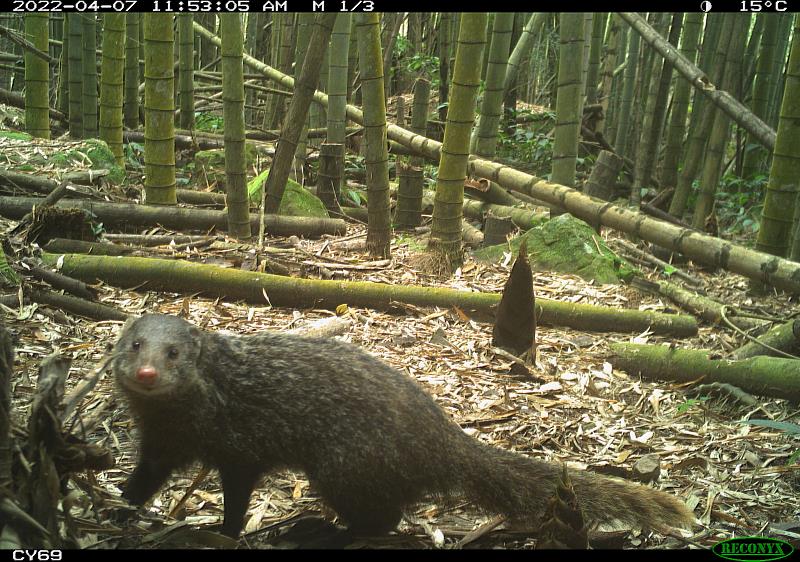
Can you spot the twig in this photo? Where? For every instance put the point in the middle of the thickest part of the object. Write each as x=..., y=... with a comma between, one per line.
x=780, y=352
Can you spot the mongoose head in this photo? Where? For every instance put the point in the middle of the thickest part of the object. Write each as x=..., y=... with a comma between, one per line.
x=156, y=354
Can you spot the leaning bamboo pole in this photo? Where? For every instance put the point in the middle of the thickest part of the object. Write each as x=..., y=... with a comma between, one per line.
x=732, y=107
x=772, y=270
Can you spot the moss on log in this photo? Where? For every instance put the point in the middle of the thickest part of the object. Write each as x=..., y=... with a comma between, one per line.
x=260, y=288
x=766, y=376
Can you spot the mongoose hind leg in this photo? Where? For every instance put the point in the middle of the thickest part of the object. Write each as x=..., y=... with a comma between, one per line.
x=370, y=521
x=364, y=515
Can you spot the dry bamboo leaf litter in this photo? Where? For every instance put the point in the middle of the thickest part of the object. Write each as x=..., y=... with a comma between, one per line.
x=585, y=412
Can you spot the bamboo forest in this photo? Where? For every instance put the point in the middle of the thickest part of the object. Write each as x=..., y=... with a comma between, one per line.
x=418, y=280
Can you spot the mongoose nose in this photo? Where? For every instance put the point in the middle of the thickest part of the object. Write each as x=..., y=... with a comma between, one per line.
x=146, y=374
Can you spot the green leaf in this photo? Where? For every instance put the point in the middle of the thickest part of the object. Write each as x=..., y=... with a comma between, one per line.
x=787, y=427
x=691, y=403
x=6, y=272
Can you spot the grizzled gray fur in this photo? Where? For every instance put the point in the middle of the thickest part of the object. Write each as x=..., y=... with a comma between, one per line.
x=370, y=440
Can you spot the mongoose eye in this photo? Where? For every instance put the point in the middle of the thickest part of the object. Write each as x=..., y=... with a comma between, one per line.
x=172, y=353
x=136, y=345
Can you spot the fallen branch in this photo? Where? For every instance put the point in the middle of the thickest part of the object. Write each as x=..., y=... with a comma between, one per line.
x=177, y=218
x=667, y=268
x=52, y=198
x=59, y=281
x=708, y=309
x=783, y=338
x=72, y=246
x=66, y=303
x=158, y=239
x=18, y=100
x=44, y=185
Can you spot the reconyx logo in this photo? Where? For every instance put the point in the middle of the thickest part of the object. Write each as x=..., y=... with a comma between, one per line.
x=749, y=549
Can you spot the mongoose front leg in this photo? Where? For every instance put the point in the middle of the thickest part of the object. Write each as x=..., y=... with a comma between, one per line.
x=237, y=486
x=149, y=475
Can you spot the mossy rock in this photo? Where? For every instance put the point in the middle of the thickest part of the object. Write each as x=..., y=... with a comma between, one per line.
x=98, y=153
x=210, y=164
x=102, y=157
x=297, y=201
x=567, y=245
x=210, y=158
x=415, y=243
x=15, y=135
x=210, y=167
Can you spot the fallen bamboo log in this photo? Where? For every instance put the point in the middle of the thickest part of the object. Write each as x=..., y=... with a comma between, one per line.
x=177, y=218
x=766, y=376
x=262, y=288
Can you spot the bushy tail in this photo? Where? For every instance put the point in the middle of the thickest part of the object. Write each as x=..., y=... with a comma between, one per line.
x=517, y=486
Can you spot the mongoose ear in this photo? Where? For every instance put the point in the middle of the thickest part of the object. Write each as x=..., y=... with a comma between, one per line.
x=197, y=337
x=128, y=323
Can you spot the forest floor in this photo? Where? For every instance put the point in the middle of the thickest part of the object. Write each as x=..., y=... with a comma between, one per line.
x=574, y=408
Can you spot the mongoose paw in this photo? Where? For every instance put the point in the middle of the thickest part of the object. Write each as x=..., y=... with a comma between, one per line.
x=136, y=492
x=222, y=530
x=122, y=515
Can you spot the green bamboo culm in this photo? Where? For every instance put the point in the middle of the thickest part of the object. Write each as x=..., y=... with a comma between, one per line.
x=445, y=23
x=305, y=22
x=131, y=101
x=159, y=108
x=485, y=133
x=253, y=48
x=448, y=202
x=112, y=71
x=755, y=154
x=272, y=101
x=283, y=27
x=337, y=83
x=626, y=103
x=613, y=103
x=337, y=91
x=408, y=213
x=721, y=127
x=317, y=114
x=63, y=67
x=596, y=46
x=782, y=188
x=653, y=118
x=233, y=114
x=570, y=94
x=352, y=66
x=370, y=63
x=186, y=70
x=89, y=98
x=777, y=84
x=75, y=60
x=715, y=43
x=37, y=108
x=523, y=46
x=304, y=90
x=680, y=103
